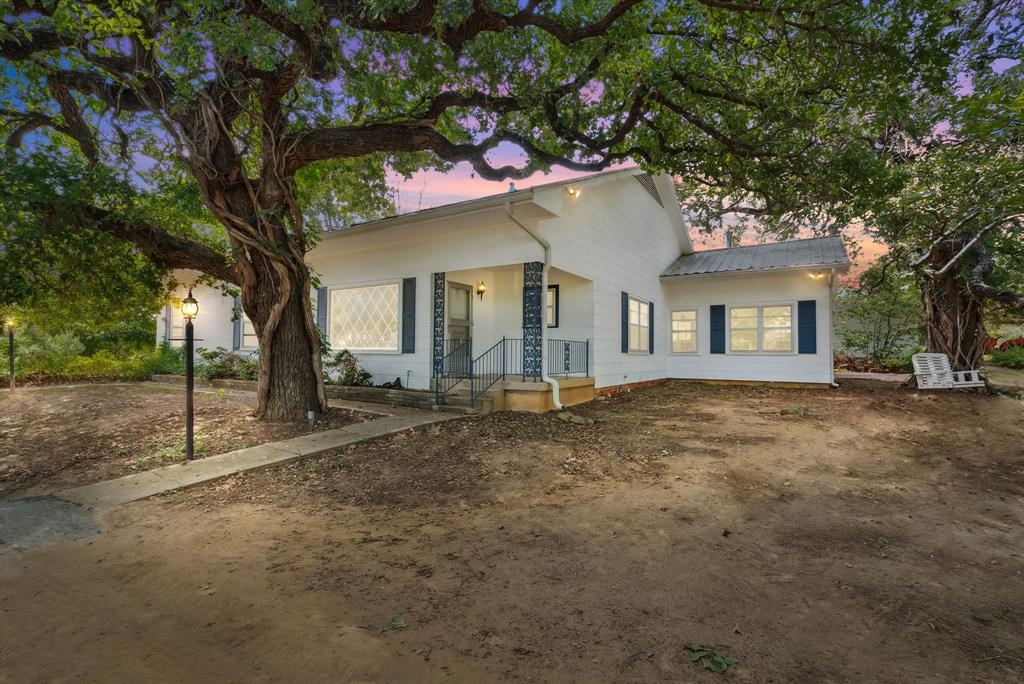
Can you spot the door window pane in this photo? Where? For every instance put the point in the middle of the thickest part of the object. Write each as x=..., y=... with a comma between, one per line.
x=458, y=303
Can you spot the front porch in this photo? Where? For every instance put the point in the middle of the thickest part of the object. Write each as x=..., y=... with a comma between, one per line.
x=497, y=331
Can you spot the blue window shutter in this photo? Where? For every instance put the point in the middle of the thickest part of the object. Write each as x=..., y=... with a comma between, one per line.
x=625, y=322
x=321, y=310
x=717, y=328
x=236, y=339
x=167, y=324
x=408, y=315
x=807, y=326
x=650, y=327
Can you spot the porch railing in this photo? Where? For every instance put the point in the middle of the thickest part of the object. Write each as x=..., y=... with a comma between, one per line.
x=456, y=366
x=569, y=357
x=504, y=359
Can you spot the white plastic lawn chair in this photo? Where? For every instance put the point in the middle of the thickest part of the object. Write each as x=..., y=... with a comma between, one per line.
x=934, y=372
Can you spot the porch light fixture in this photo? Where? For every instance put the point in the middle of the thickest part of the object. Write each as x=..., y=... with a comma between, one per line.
x=480, y=289
x=189, y=310
x=189, y=307
x=817, y=275
x=573, y=191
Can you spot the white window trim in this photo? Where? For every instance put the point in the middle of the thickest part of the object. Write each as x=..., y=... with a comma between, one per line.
x=760, y=329
x=647, y=303
x=696, y=330
x=355, y=286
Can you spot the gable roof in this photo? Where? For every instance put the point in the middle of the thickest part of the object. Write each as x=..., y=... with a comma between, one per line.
x=811, y=253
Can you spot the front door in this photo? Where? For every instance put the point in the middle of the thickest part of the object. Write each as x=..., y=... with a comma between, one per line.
x=460, y=328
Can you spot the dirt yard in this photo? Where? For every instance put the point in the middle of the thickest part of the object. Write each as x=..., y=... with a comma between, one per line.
x=56, y=437
x=853, y=535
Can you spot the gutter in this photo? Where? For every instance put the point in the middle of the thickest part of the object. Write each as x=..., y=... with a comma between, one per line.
x=555, y=397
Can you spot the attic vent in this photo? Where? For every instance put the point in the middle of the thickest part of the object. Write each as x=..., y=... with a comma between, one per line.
x=648, y=183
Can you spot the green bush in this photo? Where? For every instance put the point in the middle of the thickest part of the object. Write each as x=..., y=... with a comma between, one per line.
x=41, y=357
x=346, y=371
x=1011, y=358
x=220, y=363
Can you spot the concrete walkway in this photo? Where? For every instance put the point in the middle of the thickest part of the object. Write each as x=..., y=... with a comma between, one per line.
x=166, y=479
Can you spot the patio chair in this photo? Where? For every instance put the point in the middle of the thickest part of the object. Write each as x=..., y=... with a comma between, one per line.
x=934, y=372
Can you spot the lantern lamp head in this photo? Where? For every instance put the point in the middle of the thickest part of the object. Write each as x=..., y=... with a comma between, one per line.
x=189, y=306
x=481, y=288
x=9, y=322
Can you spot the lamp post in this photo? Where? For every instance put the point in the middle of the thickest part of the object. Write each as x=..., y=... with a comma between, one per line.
x=189, y=310
x=9, y=322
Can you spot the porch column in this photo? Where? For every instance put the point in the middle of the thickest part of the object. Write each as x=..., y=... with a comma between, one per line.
x=533, y=306
x=437, y=343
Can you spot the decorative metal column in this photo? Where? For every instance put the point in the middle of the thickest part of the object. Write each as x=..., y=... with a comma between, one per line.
x=533, y=306
x=437, y=345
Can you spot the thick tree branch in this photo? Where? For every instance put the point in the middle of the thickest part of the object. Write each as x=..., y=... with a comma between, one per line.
x=981, y=289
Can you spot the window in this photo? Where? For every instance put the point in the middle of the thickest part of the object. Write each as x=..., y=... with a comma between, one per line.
x=639, y=325
x=365, y=318
x=761, y=328
x=552, y=306
x=684, y=332
x=249, y=339
x=177, y=327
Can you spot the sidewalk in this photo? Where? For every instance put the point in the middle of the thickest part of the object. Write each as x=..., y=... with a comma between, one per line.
x=166, y=479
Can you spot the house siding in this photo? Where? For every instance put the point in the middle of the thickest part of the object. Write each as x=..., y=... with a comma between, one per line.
x=788, y=287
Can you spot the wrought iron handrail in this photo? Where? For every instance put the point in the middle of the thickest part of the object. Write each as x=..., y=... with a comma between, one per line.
x=456, y=366
x=569, y=357
x=488, y=369
x=504, y=359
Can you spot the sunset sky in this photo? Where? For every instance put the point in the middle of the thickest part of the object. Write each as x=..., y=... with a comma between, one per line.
x=431, y=188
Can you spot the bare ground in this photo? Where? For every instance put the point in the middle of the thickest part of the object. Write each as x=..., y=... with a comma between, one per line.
x=56, y=437
x=862, y=534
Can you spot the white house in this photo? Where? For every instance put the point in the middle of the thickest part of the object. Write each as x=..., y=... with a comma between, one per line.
x=553, y=292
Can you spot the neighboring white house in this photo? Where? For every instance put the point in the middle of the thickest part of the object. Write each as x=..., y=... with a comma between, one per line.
x=589, y=283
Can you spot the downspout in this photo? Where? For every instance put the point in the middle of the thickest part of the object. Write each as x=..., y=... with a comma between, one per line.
x=555, y=398
x=831, y=327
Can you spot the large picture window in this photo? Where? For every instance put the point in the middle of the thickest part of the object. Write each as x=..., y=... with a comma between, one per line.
x=639, y=325
x=684, y=331
x=761, y=328
x=365, y=318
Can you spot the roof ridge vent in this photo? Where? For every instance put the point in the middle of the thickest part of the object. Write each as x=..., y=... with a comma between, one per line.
x=647, y=182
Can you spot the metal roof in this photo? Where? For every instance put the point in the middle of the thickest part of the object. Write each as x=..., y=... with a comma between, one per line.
x=815, y=252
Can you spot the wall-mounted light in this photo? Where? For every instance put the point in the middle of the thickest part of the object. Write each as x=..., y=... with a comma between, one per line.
x=573, y=191
x=817, y=275
x=480, y=289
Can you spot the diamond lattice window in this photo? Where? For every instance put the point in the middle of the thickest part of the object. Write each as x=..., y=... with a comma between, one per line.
x=365, y=318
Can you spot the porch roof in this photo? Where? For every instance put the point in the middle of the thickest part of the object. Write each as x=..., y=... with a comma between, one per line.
x=824, y=252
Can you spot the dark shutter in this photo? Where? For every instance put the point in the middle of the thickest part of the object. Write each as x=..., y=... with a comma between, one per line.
x=408, y=315
x=236, y=340
x=321, y=310
x=717, y=328
x=167, y=324
x=625, y=322
x=650, y=327
x=807, y=326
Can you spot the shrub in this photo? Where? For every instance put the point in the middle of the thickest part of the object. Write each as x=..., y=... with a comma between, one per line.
x=1017, y=342
x=223, y=364
x=1011, y=357
x=347, y=370
x=37, y=352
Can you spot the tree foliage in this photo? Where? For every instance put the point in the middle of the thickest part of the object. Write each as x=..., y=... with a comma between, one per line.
x=279, y=116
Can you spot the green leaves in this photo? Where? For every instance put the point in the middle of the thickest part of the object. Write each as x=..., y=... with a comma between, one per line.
x=710, y=659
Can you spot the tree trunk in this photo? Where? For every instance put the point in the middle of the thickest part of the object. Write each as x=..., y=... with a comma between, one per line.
x=290, y=380
x=953, y=318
